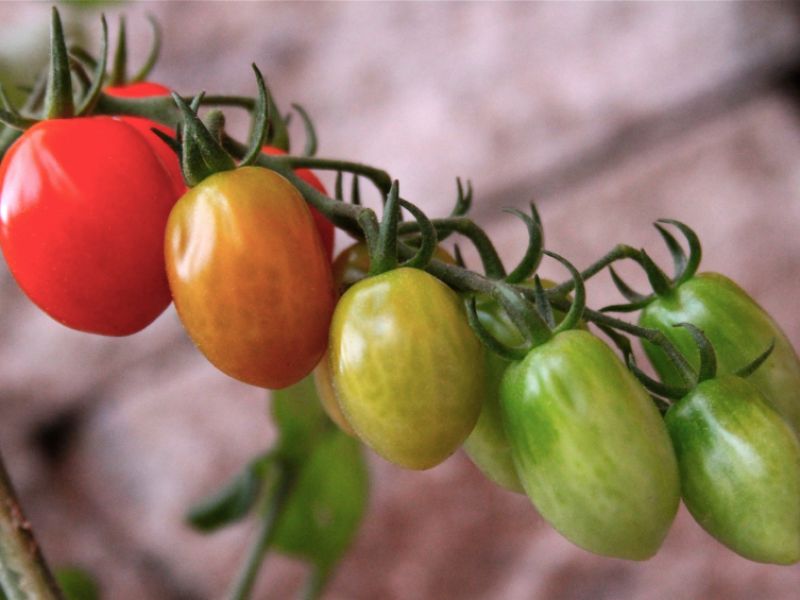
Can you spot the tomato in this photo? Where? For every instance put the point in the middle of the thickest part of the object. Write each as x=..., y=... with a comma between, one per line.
x=145, y=89
x=250, y=279
x=739, y=330
x=740, y=469
x=407, y=368
x=83, y=208
x=324, y=226
x=350, y=267
x=590, y=447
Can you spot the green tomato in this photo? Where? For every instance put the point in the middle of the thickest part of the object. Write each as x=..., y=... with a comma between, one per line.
x=737, y=327
x=590, y=447
x=740, y=469
x=406, y=367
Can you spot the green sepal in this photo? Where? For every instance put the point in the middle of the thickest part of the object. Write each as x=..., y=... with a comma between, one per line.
x=542, y=303
x=533, y=253
x=119, y=65
x=695, y=251
x=652, y=385
x=383, y=254
x=679, y=258
x=152, y=56
x=310, y=148
x=261, y=118
x=661, y=284
x=627, y=292
x=753, y=365
x=278, y=135
x=708, y=358
x=522, y=313
x=575, y=313
x=487, y=339
x=355, y=191
x=93, y=93
x=58, y=98
x=428, y=240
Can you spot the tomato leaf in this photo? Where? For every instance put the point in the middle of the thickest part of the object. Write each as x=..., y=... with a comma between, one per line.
x=77, y=584
x=234, y=501
x=300, y=419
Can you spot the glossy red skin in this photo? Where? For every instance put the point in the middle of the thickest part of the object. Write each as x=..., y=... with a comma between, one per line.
x=146, y=89
x=324, y=226
x=83, y=208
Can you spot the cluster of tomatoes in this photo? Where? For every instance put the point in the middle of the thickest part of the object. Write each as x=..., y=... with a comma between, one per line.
x=100, y=231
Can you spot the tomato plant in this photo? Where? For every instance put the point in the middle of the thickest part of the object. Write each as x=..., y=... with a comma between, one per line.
x=83, y=207
x=407, y=369
x=590, y=447
x=249, y=276
x=737, y=327
x=740, y=468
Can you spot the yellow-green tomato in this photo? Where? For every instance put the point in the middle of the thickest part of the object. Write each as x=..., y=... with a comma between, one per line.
x=590, y=447
x=249, y=276
x=323, y=381
x=407, y=368
x=740, y=468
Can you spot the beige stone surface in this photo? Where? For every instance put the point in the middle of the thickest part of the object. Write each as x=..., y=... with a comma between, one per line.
x=611, y=115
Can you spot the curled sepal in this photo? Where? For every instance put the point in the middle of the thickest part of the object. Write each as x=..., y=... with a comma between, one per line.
x=679, y=258
x=58, y=98
x=533, y=253
x=173, y=143
x=355, y=191
x=656, y=387
x=202, y=155
x=575, y=312
x=708, y=358
x=15, y=121
x=695, y=251
x=383, y=255
x=278, y=135
x=542, y=303
x=623, y=288
x=488, y=340
x=621, y=341
x=522, y=313
x=215, y=123
x=8, y=106
x=659, y=281
x=463, y=199
x=459, y=257
x=427, y=232
x=310, y=149
x=93, y=93
x=261, y=116
x=152, y=56
x=751, y=367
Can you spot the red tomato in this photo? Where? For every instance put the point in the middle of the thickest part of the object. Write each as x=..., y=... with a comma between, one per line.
x=145, y=89
x=324, y=226
x=83, y=208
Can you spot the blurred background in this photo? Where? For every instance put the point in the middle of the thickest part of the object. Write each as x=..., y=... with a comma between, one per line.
x=609, y=115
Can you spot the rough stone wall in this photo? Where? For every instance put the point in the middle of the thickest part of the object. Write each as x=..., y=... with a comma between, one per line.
x=610, y=115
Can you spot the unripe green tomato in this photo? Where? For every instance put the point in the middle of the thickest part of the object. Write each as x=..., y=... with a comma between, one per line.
x=738, y=328
x=590, y=447
x=488, y=446
x=740, y=469
x=407, y=368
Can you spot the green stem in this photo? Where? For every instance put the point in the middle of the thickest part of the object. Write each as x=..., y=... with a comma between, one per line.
x=619, y=252
x=243, y=586
x=315, y=584
x=24, y=574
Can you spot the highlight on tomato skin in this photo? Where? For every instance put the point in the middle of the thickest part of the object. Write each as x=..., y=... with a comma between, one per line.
x=250, y=280
x=83, y=207
x=324, y=226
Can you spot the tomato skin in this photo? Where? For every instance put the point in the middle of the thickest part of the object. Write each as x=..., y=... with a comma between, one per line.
x=249, y=276
x=740, y=469
x=146, y=89
x=407, y=368
x=323, y=382
x=739, y=330
x=83, y=207
x=590, y=447
x=324, y=226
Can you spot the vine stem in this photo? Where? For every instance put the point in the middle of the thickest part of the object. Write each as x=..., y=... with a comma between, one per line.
x=619, y=252
x=24, y=574
x=243, y=586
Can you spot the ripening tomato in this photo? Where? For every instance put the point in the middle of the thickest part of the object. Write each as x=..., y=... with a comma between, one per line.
x=590, y=447
x=739, y=330
x=83, y=207
x=250, y=279
x=324, y=226
x=740, y=468
x=407, y=368
x=146, y=89
x=350, y=267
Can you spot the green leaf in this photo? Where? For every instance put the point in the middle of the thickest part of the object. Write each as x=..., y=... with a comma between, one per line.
x=300, y=419
x=328, y=501
x=234, y=501
x=77, y=584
